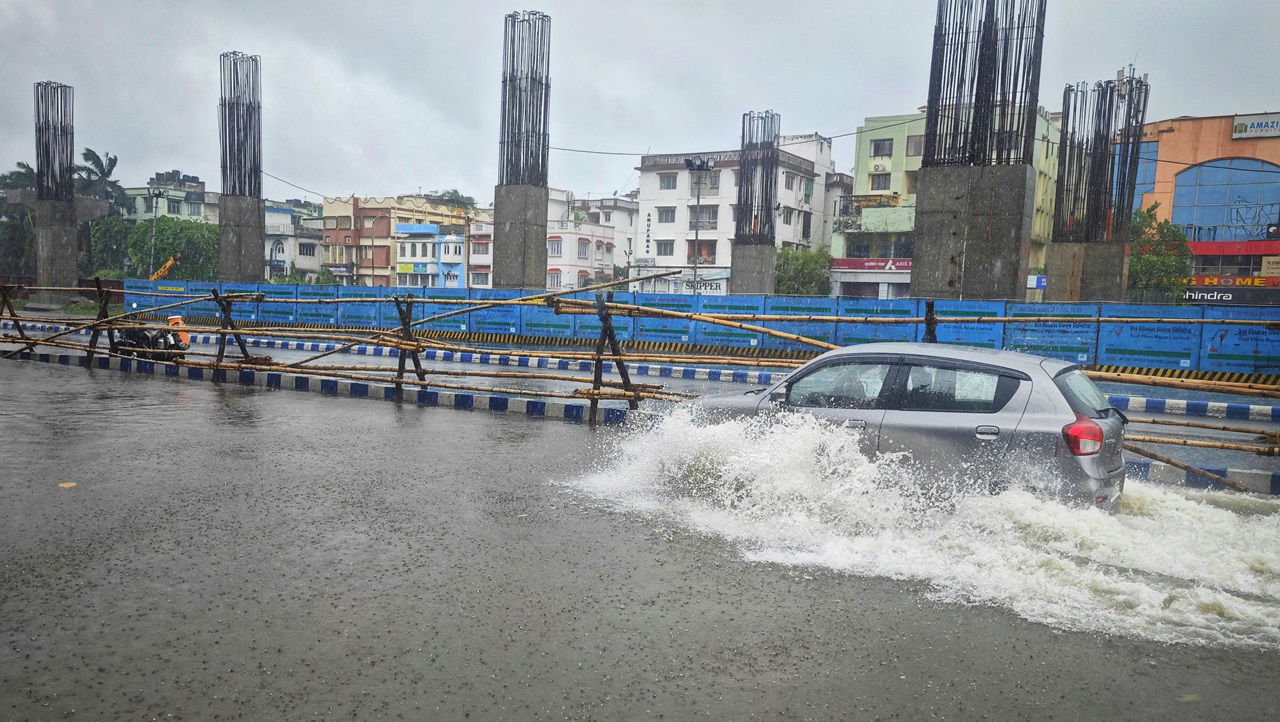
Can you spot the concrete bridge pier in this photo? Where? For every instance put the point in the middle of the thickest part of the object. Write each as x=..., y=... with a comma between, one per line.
x=753, y=267
x=1087, y=272
x=520, y=237
x=241, y=234
x=57, y=255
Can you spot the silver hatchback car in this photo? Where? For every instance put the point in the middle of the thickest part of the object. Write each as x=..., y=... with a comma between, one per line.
x=958, y=409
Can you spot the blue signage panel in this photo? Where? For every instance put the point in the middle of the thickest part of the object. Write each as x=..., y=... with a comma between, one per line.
x=709, y=334
x=1248, y=349
x=853, y=332
x=427, y=310
x=800, y=306
x=1149, y=345
x=274, y=306
x=984, y=335
x=1067, y=341
x=241, y=310
x=670, y=330
x=500, y=319
x=325, y=314
x=358, y=315
x=589, y=326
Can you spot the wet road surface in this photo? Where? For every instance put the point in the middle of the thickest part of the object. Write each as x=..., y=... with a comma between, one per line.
x=229, y=552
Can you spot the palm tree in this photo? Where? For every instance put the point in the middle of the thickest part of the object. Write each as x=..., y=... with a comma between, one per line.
x=95, y=179
x=23, y=177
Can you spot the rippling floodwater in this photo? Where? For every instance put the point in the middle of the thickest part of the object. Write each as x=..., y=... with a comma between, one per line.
x=1173, y=565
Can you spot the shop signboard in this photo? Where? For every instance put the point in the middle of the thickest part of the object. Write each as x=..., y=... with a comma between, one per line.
x=1265, y=125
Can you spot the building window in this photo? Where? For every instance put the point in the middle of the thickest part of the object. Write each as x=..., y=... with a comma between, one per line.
x=479, y=279
x=344, y=223
x=667, y=214
x=553, y=247
x=786, y=216
x=789, y=181
x=705, y=183
x=806, y=224
x=808, y=190
x=584, y=279
x=704, y=218
x=584, y=249
x=306, y=249
x=148, y=203
x=666, y=181
x=880, y=181
x=175, y=207
x=194, y=209
x=881, y=147
x=608, y=217
x=702, y=251
x=479, y=249
x=553, y=280
x=911, y=182
x=915, y=145
x=1230, y=199
x=665, y=248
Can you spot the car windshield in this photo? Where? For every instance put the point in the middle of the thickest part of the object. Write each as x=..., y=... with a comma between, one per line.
x=1082, y=394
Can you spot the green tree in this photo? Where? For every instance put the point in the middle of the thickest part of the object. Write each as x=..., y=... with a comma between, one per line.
x=803, y=272
x=454, y=196
x=23, y=177
x=1159, y=258
x=93, y=178
x=196, y=241
x=325, y=277
x=17, y=241
x=108, y=240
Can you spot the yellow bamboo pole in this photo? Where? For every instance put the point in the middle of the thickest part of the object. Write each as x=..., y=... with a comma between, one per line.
x=1186, y=467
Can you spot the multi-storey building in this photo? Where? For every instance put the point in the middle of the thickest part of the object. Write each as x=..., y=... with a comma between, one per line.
x=874, y=235
x=480, y=255
x=685, y=219
x=619, y=213
x=292, y=239
x=427, y=259
x=170, y=193
x=1218, y=179
x=359, y=233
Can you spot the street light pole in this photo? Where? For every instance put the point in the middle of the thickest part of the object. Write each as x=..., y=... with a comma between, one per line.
x=156, y=195
x=697, y=165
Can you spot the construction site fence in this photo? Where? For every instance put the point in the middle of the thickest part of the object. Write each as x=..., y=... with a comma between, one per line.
x=1177, y=338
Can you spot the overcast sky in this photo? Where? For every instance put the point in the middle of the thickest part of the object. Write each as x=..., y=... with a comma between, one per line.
x=380, y=98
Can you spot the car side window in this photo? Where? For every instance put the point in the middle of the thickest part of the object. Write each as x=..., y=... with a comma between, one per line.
x=939, y=388
x=850, y=385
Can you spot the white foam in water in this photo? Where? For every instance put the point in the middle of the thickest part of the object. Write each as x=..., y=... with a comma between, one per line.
x=1173, y=565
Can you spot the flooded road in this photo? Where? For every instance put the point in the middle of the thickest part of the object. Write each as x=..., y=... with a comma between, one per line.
x=231, y=552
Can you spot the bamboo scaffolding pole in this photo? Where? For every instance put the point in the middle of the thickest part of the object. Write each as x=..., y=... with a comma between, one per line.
x=1193, y=384
x=1198, y=443
x=1187, y=467
x=76, y=329
x=1205, y=425
x=718, y=322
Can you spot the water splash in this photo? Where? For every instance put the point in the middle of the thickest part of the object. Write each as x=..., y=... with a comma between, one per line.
x=1172, y=565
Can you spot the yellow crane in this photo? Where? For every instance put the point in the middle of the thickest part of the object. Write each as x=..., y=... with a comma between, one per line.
x=167, y=266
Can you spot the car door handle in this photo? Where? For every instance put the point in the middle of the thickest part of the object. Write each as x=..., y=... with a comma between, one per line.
x=987, y=432
x=857, y=424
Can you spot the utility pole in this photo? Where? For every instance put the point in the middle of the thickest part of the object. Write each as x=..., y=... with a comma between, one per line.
x=156, y=195
x=698, y=166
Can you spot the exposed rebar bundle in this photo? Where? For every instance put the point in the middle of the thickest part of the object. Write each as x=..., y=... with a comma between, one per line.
x=757, y=177
x=1098, y=156
x=984, y=82
x=240, y=125
x=55, y=141
x=526, y=99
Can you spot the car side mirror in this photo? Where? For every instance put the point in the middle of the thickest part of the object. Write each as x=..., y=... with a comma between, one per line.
x=778, y=397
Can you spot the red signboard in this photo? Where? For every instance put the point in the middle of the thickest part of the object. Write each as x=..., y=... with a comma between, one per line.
x=871, y=264
x=1235, y=248
x=1235, y=281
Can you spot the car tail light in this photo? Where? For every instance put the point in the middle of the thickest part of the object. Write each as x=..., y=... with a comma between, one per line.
x=1084, y=436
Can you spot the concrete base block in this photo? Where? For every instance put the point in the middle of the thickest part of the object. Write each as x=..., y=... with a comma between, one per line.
x=973, y=232
x=241, y=234
x=520, y=237
x=753, y=268
x=1087, y=272
x=57, y=255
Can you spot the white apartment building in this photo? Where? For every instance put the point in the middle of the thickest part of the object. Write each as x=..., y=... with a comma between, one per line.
x=686, y=218
x=480, y=255
x=292, y=240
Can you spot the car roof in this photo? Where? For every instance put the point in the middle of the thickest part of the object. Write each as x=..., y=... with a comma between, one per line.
x=1009, y=359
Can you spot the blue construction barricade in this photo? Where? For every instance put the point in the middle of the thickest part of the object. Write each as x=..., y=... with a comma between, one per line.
x=1068, y=341
x=984, y=335
x=666, y=330
x=800, y=306
x=359, y=315
x=1149, y=345
x=324, y=314
x=200, y=309
x=135, y=302
x=544, y=322
x=852, y=332
x=388, y=316
x=709, y=334
x=241, y=310
x=1241, y=349
x=499, y=319
x=277, y=302
x=588, y=327
x=427, y=310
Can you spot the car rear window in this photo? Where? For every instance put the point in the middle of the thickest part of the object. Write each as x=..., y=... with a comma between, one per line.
x=1080, y=392
x=939, y=388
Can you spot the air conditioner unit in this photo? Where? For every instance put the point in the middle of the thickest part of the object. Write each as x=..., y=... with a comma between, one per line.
x=879, y=166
